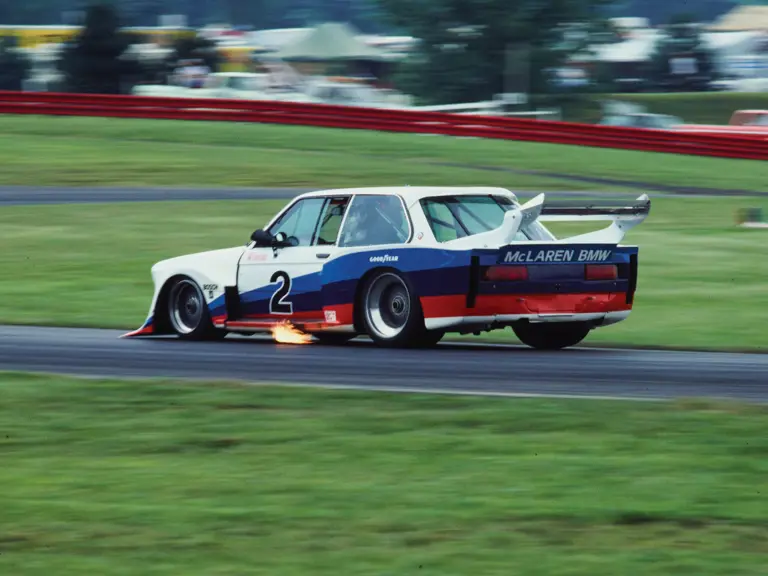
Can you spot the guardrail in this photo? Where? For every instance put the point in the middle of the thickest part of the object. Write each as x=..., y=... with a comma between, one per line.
x=754, y=147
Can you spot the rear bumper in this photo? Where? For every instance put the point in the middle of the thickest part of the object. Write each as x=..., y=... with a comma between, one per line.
x=446, y=312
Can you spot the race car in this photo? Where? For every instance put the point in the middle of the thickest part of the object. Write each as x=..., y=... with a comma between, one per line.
x=406, y=265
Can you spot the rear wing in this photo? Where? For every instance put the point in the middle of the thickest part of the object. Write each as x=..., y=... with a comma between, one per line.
x=622, y=218
x=641, y=207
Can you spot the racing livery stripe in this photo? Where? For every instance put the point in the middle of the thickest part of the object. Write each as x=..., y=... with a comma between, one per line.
x=521, y=304
x=147, y=329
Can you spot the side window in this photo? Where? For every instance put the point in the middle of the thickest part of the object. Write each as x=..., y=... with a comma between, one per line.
x=330, y=222
x=300, y=222
x=444, y=225
x=480, y=215
x=375, y=220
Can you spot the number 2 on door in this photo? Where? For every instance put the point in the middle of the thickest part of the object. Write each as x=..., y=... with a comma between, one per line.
x=278, y=304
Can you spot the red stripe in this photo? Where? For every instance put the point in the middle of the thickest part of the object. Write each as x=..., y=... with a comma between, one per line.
x=308, y=315
x=513, y=304
x=344, y=314
x=141, y=331
x=251, y=324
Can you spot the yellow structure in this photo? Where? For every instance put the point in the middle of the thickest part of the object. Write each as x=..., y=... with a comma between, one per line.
x=234, y=58
x=34, y=36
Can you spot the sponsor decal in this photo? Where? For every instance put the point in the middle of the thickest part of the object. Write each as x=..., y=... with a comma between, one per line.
x=330, y=316
x=557, y=255
x=210, y=288
x=420, y=235
x=256, y=257
x=385, y=258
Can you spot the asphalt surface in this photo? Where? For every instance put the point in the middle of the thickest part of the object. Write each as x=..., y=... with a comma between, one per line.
x=22, y=195
x=451, y=368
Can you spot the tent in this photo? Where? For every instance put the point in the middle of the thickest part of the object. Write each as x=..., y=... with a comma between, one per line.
x=743, y=18
x=330, y=42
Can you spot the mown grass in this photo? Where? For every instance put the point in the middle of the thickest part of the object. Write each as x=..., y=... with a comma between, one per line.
x=702, y=279
x=692, y=107
x=120, y=477
x=56, y=151
x=700, y=107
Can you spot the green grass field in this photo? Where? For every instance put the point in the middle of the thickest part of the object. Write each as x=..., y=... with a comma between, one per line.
x=692, y=107
x=702, y=279
x=42, y=151
x=114, y=478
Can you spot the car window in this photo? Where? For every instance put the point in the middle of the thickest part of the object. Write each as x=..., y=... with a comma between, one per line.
x=453, y=217
x=374, y=220
x=330, y=222
x=444, y=225
x=300, y=221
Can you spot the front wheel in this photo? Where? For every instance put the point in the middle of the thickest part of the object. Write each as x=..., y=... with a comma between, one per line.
x=188, y=312
x=551, y=335
x=392, y=313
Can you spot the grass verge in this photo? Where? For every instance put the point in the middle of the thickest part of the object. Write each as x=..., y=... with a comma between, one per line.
x=119, y=477
x=59, y=151
x=692, y=107
x=702, y=282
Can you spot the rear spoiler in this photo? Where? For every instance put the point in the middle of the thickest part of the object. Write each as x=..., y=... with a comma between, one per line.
x=642, y=207
x=622, y=217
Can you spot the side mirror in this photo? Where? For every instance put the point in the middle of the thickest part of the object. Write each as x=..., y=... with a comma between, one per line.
x=262, y=238
x=281, y=239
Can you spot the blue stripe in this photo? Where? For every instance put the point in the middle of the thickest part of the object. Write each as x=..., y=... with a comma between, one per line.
x=437, y=272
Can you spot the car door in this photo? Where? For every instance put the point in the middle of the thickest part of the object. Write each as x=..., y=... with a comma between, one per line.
x=285, y=283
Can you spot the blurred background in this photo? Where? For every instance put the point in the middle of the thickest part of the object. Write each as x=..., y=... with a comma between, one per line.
x=552, y=59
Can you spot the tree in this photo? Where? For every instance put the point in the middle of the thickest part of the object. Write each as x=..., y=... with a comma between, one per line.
x=13, y=65
x=467, y=49
x=196, y=48
x=97, y=60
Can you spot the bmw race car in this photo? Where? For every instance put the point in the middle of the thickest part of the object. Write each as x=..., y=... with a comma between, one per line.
x=406, y=265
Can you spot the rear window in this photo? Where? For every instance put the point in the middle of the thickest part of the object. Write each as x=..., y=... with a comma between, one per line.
x=454, y=217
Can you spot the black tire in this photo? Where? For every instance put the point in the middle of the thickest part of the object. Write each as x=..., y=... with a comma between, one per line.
x=188, y=313
x=429, y=338
x=333, y=338
x=392, y=314
x=551, y=335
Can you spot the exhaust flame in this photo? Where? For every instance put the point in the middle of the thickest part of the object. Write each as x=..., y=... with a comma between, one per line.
x=287, y=333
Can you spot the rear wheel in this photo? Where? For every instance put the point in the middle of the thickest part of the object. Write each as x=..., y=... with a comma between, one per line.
x=392, y=314
x=552, y=335
x=188, y=312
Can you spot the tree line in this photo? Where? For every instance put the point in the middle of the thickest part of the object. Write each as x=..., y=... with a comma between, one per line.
x=467, y=51
x=366, y=14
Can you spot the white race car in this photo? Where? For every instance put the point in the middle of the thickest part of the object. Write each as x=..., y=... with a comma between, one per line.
x=405, y=265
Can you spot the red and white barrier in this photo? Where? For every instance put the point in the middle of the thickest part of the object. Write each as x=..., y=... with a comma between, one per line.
x=746, y=146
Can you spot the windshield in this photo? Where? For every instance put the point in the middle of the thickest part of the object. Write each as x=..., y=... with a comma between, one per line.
x=453, y=217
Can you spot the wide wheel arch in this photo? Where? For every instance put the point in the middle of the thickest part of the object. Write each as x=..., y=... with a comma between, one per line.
x=425, y=338
x=357, y=302
x=161, y=320
x=160, y=314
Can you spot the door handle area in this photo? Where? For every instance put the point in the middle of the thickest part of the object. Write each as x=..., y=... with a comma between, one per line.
x=322, y=255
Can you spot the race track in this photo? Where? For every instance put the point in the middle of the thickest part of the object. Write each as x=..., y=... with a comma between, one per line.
x=33, y=196
x=25, y=195
x=457, y=368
